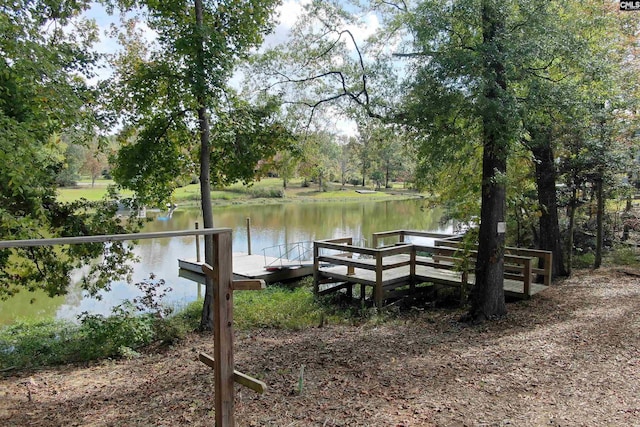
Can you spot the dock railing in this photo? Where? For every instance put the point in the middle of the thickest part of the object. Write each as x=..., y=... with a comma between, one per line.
x=288, y=254
x=401, y=236
x=444, y=254
x=375, y=260
x=519, y=262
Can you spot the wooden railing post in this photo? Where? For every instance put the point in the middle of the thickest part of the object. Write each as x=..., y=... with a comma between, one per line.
x=548, y=268
x=379, y=292
x=197, y=245
x=527, y=271
x=351, y=270
x=412, y=269
x=316, y=268
x=223, y=330
x=249, y=235
x=220, y=271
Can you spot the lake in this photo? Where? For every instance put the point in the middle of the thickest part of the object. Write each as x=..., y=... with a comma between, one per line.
x=271, y=225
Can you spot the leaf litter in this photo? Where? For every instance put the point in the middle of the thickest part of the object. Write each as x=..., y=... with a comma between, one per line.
x=570, y=356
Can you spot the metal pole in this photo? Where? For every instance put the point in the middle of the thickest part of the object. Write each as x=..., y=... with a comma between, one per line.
x=197, y=245
x=249, y=235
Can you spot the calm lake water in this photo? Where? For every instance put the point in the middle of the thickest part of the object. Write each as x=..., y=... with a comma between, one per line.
x=271, y=225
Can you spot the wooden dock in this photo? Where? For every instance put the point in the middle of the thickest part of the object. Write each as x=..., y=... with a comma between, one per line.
x=340, y=265
x=246, y=266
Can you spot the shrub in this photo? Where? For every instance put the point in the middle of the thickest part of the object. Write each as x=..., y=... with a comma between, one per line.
x=111, y=335
x=267, y=193
x=625, y=256
x=585, y=260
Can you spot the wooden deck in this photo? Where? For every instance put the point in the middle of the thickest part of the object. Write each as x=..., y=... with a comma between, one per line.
x=247, y=266
x=406, y=264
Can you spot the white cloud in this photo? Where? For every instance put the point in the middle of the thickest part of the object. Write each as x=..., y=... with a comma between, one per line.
x=288, y=13
x=368, y=26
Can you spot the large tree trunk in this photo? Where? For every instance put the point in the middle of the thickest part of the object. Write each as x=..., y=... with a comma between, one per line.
x=549, y=237
x=487, y=296
x=206, y=322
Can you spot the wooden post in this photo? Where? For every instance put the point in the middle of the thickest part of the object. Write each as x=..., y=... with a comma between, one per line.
x=351, y=270
x=316, y=269
x=412, y=270
x=223, y=330
x=548, y=266
x=379, y=292
x=527, y=272
x=249, y=235
x=197, y=245
x=222, y=363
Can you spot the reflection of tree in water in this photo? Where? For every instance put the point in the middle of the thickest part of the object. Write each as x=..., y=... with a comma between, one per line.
x=288, y=223
x=292, y=222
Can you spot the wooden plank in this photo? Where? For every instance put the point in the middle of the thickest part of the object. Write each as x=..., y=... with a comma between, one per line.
x=367, y=265
x=243, y=379
x=249, y=285
x=344, y=248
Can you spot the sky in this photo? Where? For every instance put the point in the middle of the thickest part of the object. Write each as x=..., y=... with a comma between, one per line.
x=288, y=13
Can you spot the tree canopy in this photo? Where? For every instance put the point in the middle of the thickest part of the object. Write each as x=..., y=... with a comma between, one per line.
x=45, y=57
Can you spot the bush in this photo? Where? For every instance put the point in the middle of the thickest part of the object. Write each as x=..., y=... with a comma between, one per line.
x=625, y=256
x=585, y=260
x=114, y=335
x=267, y=193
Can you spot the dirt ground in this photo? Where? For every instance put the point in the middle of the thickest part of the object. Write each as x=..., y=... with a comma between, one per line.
x=568, y=357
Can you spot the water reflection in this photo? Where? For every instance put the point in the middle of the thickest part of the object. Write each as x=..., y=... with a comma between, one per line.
x=271, y=225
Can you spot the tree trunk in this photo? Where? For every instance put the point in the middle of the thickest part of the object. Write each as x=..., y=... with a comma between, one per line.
x=549, y=237
x=487, y=296
x=386, y=175
x=599, y=222
x=206, y=321
x=573, y=203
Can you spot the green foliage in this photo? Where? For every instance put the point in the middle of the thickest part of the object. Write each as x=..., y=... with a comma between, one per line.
x=625, y=255
x=46, y=50
x=267, y=193
x=584, y=260
x=112, y=335
x=161, y=89
x=28, y=344
x=276, y=307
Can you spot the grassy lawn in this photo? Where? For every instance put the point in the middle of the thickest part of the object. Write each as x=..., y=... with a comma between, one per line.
x=267, y=188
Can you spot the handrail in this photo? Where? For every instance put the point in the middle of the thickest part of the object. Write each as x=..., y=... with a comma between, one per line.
x=304, y=250
x=403, y=233
x=395, y=250
x=105, y=238
x=512, y=252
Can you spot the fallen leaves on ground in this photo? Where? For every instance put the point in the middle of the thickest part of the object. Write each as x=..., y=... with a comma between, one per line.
x=569, y=356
